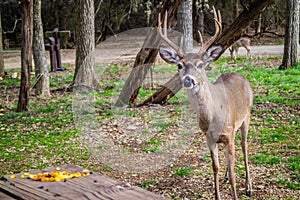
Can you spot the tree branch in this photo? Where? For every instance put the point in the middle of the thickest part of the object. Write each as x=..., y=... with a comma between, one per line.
x=14, y=28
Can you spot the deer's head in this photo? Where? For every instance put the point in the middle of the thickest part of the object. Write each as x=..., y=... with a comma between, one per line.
x=191, y=66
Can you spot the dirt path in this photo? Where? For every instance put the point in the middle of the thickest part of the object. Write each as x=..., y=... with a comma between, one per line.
x=110, y=53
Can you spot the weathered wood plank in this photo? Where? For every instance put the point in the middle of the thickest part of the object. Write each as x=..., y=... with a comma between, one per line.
x=93, y=187
x=5, y=197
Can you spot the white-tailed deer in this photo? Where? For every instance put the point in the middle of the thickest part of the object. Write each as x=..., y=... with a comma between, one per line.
x=242, y=42
x=222, y=107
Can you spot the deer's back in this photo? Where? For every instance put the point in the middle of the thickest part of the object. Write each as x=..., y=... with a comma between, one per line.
x=241, y=42
x=237, y=89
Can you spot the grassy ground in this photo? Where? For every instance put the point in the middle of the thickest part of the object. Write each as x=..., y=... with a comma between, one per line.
x=50, y=134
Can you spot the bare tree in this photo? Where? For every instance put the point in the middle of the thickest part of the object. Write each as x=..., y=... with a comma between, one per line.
x=291, y=40
x=185, y=24
x=85, y=44
x=26, y=55
x=40, y=62
x=2, y=73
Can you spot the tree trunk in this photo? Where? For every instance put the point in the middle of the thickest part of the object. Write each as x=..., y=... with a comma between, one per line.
x=85, y=44
x=145, y=58
x=164, y=93
x=185, y=24
x=236, y=8
x=26, y=55
x=258, y=24
x=2, y=73
x=228, y=37
x=291, y=40
x=198, y=16
x=40, y=62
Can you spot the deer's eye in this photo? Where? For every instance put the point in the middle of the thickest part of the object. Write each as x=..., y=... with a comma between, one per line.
x=200, y=65
x=180, y=66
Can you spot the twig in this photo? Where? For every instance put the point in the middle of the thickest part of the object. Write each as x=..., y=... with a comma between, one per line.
x=98, y=8
x=13, y=30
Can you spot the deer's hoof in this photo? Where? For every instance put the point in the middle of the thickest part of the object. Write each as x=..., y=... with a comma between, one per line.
x=249, y=193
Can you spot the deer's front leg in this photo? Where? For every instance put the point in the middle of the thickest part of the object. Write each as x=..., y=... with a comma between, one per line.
x=230, y=157
x=215, y=165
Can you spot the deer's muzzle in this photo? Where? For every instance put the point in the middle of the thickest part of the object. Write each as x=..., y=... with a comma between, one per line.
x=188, y=82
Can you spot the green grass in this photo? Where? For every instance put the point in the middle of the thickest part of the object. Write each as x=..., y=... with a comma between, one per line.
x=183, y=171
x=47, y=136
x=163, y=124
x=154, y=145
x=12, y=82
x=265, y=159
x=282, y=183
x=150, y=183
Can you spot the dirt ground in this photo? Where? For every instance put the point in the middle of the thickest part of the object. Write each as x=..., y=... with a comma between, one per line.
x=118, y=50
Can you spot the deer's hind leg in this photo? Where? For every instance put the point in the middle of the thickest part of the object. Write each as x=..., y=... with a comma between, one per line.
x=244, y=130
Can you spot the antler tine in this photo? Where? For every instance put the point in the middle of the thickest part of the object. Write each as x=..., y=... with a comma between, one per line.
x=218, y=27
x=164, y=35
x=201, y=39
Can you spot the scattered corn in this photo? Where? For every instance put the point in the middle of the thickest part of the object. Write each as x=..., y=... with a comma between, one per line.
x=53, y=175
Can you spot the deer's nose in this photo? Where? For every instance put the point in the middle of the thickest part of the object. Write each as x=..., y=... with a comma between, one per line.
x=188, y=82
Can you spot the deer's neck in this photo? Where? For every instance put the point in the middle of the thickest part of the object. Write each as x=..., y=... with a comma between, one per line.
x=204, y=99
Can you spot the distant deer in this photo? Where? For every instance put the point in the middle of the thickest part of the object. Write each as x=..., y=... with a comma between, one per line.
x=222, y=107
x=242, y=42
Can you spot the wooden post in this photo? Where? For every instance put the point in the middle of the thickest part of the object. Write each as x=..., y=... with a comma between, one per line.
x=54, y=48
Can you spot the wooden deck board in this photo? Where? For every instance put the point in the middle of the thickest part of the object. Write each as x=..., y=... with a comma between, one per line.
x=93, y=187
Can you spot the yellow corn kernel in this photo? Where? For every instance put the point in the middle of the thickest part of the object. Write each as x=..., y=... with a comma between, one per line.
x=44, y=179
x=65, y=173
x=85, y=171
x=26, y=174
x=35, y=178
x=12, y=176
x=57, y=179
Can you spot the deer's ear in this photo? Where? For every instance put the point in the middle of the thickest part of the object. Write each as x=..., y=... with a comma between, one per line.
x=169, y=55
x=212, y=53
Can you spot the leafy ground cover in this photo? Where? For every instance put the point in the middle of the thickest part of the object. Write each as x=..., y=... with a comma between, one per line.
x=52, y=134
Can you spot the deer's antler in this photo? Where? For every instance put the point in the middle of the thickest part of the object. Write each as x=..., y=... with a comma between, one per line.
x=164, y=35
x=218, y=27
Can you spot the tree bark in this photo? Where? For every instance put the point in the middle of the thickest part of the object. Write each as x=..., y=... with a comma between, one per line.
x=236, y=8
x=164, y=93
x=185, y=24
x=258, y=24
x=145, y=58
x=291, y=39
x=198, y=18
x=85, y=44
x=228, y=37
x=2, y=73
x=26, y=55
x=41, y=69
